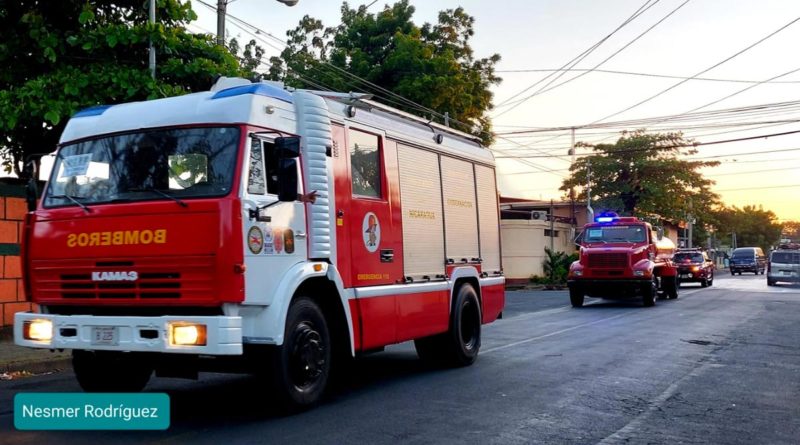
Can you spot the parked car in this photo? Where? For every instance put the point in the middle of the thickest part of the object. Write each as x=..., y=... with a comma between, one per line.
x=694, y=266
x=784, y=265
x=748, y=259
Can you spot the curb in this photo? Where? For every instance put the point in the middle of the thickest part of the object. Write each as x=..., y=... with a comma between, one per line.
x=41, y=366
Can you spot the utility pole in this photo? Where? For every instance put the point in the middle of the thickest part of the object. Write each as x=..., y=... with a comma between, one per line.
x=572, y=189
x=221, y=6
x=691, y=225
x=152, y=48
x=552, y=226
x=589, y=210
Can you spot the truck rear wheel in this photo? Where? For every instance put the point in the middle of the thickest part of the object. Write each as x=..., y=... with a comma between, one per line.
x=110, y=371
x=670, y=287
x=301, y=366
x=458, y=346
x=576, y=297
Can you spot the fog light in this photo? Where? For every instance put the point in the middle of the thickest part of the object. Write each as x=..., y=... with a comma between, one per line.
x=638, y=273
x=577, y=273
x=39, y=330
x=187, y=334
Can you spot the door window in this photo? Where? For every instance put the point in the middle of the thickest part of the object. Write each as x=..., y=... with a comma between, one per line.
x=365, y=162
x=263, y=177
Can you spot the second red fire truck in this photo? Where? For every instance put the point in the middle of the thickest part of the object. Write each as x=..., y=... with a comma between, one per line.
x=622, y=258
x=259, y=229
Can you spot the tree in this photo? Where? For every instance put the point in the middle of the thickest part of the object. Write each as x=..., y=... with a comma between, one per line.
x=791, y=230
x=250, y=58
x=641, y=174
x=752, y=225
x=556, y=265
x=69, y=55
x=432, y=65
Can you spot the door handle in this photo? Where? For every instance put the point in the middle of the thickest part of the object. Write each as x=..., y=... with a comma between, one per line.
x=387, y=255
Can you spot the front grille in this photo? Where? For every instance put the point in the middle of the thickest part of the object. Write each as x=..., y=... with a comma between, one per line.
x=148, y=285
x=157, y=279
x=608, y=260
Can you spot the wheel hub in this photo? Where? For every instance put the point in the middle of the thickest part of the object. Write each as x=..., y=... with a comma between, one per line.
x=307, y=358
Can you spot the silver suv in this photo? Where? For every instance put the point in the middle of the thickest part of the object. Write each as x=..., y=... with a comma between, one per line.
x=784, y=265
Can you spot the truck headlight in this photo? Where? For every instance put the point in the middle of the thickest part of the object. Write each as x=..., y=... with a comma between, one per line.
x=39, y=330
x=638, y=273
x=187, y=334
x=577, y=273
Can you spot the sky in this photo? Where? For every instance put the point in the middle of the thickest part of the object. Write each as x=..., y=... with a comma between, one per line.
x=711, y=42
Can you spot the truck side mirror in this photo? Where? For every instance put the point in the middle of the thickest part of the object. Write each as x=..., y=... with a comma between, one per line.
x=287, y=180
x=578, y=239
x=287, y=147
x=31, y=189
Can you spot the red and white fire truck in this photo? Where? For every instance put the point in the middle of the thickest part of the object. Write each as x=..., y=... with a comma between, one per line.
x=257, y=228
x=620, y=258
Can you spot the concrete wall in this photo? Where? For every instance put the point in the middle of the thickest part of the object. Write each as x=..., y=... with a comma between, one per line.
x=12, y=212
x=523, y=243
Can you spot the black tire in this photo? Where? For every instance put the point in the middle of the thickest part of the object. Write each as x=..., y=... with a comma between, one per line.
x=576, y=297
x=459, y=346
x=301, y=367
x=670, y=286
x=704, y=282
x=649, y=294
x=110, y=371
x=770, y=282
x=711, y=281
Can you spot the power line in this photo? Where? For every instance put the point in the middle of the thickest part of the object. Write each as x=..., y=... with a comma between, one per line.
x=632, y=73
x=694, y=144
x=760, y=188
x=575, y=60
x=701, y=72
x=544, y=89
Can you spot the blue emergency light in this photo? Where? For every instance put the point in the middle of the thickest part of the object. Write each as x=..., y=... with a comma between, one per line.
x=606, y=217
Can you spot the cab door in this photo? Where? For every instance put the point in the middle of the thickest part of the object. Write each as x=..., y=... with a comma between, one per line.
x=368, y=229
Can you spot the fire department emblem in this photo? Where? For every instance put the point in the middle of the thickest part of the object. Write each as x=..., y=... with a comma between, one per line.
x=371, y=230
x=255, y=239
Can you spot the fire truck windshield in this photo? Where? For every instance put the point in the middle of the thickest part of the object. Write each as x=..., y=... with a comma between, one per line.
x=616, y=234
x=162, y=164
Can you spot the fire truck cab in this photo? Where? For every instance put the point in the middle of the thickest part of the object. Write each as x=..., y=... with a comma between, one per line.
x=622, y=258
x=259, y=229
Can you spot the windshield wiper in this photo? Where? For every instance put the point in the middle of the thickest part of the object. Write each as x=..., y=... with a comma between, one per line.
x=160, y=192
x=74, y=200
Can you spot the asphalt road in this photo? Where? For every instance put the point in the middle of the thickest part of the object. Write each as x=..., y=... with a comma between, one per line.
x=719, y=365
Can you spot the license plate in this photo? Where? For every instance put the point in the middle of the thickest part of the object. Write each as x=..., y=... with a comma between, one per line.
x=686, y=275
x=105, y=335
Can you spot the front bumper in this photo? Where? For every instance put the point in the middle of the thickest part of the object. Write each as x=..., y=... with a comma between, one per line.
x=787, y=278
x=615, y=288
x=223, y=334
x=689, y=276
x=743, y=268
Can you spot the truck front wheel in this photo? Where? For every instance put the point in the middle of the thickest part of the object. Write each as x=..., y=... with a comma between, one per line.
x=576, y=297
x=110, y=371
x=301, y=366
x=649, y=293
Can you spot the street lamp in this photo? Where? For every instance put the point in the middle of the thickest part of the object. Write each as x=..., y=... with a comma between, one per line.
x=222, y=5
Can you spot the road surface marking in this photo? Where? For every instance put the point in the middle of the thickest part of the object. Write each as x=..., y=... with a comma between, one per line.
x=622, y=435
